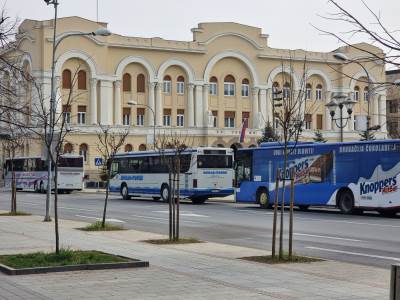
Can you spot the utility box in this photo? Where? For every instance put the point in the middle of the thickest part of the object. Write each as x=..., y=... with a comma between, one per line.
x=395, y=283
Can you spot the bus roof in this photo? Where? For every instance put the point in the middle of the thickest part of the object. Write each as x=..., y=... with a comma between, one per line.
x=278, y=145
x=169, y=151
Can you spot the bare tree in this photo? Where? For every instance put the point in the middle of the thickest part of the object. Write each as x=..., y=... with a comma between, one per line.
x=109, y=142
x=171, y=147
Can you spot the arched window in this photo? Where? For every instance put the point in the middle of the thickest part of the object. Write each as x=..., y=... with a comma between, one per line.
x=229, y=85
x=128, y=148
x=213, y=86
x=308, y=91
x=66, y=79
x=366, y=94
x=142, y=147
x=286, y=91
x=356, y=93
x=81, y=80
x=68, y=148
x=167, y=84
x=275, y=90
x=141, y=83
x=126, y=82
x=318, y=92
x=180, y=85
x=83, y=150
x=245, y=87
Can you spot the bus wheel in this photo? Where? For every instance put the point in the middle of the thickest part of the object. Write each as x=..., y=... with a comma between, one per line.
x=199, y=200
x=36, y=187
x=262, y=198
x=41, y=187
x=165, y=192
x=346, y=202
x=304, y=207
x=125, y=192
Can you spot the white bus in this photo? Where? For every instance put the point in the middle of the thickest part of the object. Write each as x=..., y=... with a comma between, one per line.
x=205, y=173
x=31, y=173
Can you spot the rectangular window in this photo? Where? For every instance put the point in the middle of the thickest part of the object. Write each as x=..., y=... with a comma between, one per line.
x=81, y=114
x=245, y=90
x=180, y=88
x=140, y=117
x=245, y=118
x=180, y=118
x=214, y=121
x=229, y=89
x=308, y=121
x=356, y=95
x=67, y=114
x=126, y=116
x=167, y=117
x=308, y=94
x=213, y=88
x=286, y=93
x=167, y=86
x=319, y=121
x=229, y=120
x=365, y=96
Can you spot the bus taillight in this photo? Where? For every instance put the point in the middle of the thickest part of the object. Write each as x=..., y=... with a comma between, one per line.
x=195, y=183
x=234, y=182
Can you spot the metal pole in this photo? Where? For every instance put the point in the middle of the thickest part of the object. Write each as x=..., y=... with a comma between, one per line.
x=47, y=217
x=395, y=283
x=341, y=122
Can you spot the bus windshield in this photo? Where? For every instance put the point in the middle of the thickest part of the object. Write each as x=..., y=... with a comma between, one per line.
x=214, y=161
x=71, y=162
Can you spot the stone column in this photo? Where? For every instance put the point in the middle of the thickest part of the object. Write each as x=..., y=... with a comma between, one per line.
x=106, y=95
x=255, y=110
x=158, y=108
x=375, y=109
x=150, y=103
x=93, y=101
x=382, y=112
x=117, y=103
x=199, y=106
x=263, y=108
x=328, y=118
x=190, y=107
x=206, y=92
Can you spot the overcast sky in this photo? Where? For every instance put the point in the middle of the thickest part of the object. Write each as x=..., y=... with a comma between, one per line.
x=287, y=22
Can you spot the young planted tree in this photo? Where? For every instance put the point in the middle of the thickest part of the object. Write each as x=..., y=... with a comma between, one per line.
x=367, y=135
x=319, y=138
x=269, y=134
x=109, y=142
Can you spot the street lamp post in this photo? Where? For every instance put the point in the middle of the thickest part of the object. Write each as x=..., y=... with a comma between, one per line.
x=134, y=103
x=348, y=104
x=56, y=42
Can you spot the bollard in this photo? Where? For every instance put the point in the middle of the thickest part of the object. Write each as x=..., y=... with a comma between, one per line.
x=395, y=283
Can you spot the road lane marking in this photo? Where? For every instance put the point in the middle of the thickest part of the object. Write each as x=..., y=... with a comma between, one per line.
x=328, y=237
x=162, y=219
x=79, y=209
x=351, y=222
x=182, y=213
x=255, y=212
x=354, y=253
x=95, y=218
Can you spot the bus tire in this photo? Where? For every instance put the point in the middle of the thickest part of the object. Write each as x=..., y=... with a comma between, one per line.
x=346, y=202
x=125, y=192
x=199, y=200
x=304, y=207
x=41, y=187
x=36, y=187
x=263, y=198
x=164, y=192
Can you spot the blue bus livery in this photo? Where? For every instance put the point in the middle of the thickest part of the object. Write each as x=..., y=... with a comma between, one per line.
x=352, y=176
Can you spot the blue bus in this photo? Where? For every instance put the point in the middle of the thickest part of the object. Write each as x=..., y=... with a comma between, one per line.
x=353, y=176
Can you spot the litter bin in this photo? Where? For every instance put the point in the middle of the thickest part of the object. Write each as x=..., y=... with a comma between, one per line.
x=395, y=283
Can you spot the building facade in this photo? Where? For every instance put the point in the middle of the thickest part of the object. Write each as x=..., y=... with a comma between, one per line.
x=205, y=88
x=393, y=105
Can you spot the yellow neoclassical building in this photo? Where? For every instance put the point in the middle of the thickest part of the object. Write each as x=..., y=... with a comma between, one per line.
x=204, y=88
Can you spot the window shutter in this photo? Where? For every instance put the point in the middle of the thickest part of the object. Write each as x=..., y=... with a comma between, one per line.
x=126, y=111
x=180, y=111
x=126, y=82
x=308, y=118
x=229, y=114
x=245, y=115
x=167, y=112
x=319, y=121
x=82, y=80
x=67, y=108
x=140, y=111
x=141, y=83
x=215, y=113
x=81, y=108
x=66, y=79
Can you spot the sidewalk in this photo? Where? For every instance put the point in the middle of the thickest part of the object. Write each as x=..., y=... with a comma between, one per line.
x=194, y=271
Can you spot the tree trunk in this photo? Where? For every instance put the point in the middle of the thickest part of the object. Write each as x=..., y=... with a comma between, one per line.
x=177, y=197
x=56, y=208
x=13, y=192
x=103, y=222
x=282, y=202
x=173, y=205
x=276, y=203
x=291, y=214
x=170, y=205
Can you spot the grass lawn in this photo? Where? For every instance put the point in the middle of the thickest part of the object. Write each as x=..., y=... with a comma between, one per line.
x=18, y=213
x=173, y=242
x=66, y=257
x=268, y=259
x=97, y=227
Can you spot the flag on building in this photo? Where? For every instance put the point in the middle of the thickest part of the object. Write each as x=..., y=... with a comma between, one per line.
x=245, y=124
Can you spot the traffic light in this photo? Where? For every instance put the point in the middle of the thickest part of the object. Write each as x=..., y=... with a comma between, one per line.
x=277, y=96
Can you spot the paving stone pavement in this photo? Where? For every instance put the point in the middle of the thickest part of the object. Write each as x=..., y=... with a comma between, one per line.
x=195, y=271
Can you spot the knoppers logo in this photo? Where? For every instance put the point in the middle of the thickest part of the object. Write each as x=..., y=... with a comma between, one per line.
x=384, y=186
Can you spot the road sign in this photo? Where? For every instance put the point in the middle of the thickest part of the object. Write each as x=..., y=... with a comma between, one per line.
x=98, y=161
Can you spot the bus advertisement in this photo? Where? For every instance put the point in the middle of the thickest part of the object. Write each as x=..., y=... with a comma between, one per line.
x=353, y=176
x=205, y=173
x=31, y=173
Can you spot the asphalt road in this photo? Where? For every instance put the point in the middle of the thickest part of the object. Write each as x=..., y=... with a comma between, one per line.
x=363, y=239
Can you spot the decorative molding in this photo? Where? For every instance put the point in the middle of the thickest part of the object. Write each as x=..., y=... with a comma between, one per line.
x=139, y=60
x=325, y=77
x=76, y=54
x=176, y=62
x=244, y=37
x=283, y=69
